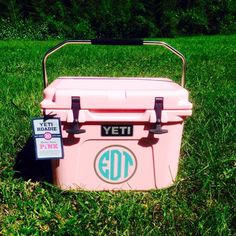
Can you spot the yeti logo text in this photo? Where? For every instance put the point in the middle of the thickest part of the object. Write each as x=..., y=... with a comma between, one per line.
x=117, y=130
x=115, y=164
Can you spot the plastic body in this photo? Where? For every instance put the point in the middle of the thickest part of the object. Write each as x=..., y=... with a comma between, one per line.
x=125, y=155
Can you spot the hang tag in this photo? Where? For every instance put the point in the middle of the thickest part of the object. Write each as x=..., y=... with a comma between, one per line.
x=47, y=138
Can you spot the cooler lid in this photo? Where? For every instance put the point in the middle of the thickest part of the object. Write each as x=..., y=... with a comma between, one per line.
x=115, y=93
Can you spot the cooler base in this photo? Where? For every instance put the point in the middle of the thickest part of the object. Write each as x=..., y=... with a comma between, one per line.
x=102, y=165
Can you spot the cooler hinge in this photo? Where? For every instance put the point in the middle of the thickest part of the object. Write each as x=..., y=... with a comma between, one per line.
x=158, y=107
x=75, y=106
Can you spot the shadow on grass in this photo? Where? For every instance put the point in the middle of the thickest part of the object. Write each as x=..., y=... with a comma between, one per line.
x=28, y=168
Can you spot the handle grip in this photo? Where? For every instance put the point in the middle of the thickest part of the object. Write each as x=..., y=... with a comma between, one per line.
x=117, y=42
x=114, y=42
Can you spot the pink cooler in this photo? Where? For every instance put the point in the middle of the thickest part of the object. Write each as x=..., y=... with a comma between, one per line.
x=118, y=133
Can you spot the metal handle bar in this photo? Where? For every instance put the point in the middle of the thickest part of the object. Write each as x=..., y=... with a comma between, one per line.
x=114, y=42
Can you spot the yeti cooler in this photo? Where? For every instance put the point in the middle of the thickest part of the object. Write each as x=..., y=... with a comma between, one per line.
x=118, y=133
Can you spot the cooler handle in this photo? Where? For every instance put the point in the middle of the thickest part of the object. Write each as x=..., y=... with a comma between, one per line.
x=117, y=41
x=114, y=42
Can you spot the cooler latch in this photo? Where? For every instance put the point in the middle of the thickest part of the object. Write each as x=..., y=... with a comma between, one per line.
x=158, y=108
x=75, y=106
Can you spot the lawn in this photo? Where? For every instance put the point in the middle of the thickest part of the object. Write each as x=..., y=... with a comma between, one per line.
x=202, y=201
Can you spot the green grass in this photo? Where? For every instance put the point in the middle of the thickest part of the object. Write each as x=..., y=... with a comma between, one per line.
x=202, y=202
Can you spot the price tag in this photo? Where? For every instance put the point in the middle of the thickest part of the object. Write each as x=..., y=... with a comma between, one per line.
x=47, y=138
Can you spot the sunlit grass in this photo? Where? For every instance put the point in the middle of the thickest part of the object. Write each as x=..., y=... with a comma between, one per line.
x=202, y=202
